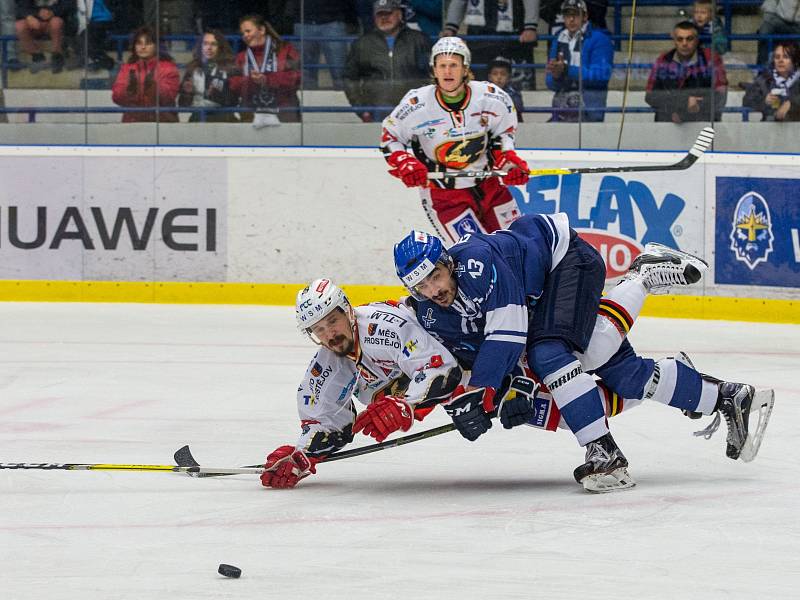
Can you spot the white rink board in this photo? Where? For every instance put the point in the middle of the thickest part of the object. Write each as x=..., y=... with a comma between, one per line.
x=288, y=215
x=440, y=519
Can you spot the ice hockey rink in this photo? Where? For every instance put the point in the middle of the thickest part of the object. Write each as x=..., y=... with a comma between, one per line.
x=439, y=518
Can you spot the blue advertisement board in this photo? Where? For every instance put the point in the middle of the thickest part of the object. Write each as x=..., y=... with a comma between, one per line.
x=757, y=231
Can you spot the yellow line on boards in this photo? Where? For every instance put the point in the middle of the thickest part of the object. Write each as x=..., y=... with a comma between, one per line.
x=684, y=307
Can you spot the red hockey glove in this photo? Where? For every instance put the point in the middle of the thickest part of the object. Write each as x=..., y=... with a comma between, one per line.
x=384, y=417
x=287, y=466
x=516, y=168
x=409, y=169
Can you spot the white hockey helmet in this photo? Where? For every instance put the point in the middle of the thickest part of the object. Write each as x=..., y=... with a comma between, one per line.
x=317, y=300
x=451, y=45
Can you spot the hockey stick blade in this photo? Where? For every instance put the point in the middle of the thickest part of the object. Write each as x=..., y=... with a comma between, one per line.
x=183, y=456
x=701, y=144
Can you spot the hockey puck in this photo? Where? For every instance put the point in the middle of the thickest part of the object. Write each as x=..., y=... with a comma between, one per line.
x=229, y=571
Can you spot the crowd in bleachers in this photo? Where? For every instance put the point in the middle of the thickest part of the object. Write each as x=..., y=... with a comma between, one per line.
x=252, y=57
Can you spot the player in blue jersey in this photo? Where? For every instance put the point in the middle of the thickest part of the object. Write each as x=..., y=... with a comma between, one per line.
x=536, y=287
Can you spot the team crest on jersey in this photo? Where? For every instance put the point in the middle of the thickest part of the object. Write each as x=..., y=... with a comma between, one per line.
x=751, y=232
x=316, y=370
x=372, y=328
x=413, y=100
x=484, y=121
x=459, y=154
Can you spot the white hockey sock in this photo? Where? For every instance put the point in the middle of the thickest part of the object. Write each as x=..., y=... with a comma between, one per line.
x=630, y=295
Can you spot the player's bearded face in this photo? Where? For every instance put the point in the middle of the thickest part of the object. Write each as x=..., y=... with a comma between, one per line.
x=335, y=333
x=439, y=286
x=450, y=73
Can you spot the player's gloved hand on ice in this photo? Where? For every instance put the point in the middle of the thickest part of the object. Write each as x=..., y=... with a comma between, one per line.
x=383, y=417
x=517, y=407
x=287, y=465
x=408, y=168
x=516, y=168
x=471, y=410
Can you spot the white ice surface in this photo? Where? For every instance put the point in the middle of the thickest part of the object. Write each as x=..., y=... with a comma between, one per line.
x=441, y=518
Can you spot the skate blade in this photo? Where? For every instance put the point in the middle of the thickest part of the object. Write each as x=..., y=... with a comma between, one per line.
x=693, y=260
x=763, y=401
x=615, y=481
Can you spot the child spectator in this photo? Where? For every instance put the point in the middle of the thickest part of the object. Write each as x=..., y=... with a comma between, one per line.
x=710, y=26
x=207, y=80
x=775, y=92
x=500, y=75
x=148, y=78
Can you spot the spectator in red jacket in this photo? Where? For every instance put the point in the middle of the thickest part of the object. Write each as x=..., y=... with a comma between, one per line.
x=270, y=71
x=688, y=83
x=149, y=78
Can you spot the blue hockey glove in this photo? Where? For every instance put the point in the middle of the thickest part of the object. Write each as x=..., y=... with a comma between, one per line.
x=468, y=411
x=517, y=405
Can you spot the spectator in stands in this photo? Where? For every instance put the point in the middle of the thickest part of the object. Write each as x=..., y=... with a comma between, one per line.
x=579, y=66
x=94, y=20
x=8, y=17
x=550, y=12
x=776, y=90
x=149, y=78
x=424, y=15
x=270, y=74
x=207, y=80
x=385, y=63
x=37, y=19
x=710, y=26
x=780, y=17
x=500, y=75
x=687, y=83
x=497, y=17
x=323, y=18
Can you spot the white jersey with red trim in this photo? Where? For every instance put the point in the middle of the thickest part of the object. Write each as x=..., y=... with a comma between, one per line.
x=448, y=140
x=390, y=344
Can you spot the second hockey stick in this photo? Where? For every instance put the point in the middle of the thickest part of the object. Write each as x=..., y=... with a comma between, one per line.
x=183, y=456
x=701, y=144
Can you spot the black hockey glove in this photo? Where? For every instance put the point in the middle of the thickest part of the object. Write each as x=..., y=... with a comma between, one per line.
x=468, y=411
x=517, y=406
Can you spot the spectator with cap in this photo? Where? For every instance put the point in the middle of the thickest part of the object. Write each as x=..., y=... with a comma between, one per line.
x=579, y=67
x=385, y=63
x=500, y=75
x=687, y=83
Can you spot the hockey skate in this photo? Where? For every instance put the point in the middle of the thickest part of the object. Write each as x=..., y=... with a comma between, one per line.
x=736, y=402
x=660, y=267
x=605, y=469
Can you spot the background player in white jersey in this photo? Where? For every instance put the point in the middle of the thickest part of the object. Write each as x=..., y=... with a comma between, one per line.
x=456, y=124
x=378, y=353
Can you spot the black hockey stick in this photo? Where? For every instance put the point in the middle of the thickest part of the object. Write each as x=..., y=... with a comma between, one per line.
x=183, y=456
x=701, y=144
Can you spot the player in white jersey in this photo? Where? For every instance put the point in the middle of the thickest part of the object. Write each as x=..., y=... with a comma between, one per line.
x=377, y=353
x=452, y=125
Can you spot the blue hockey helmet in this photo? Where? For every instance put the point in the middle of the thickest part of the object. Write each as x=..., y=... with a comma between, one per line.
x=415, y=258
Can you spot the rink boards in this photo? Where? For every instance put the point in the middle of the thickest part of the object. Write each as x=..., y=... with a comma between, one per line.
x=249, y=225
